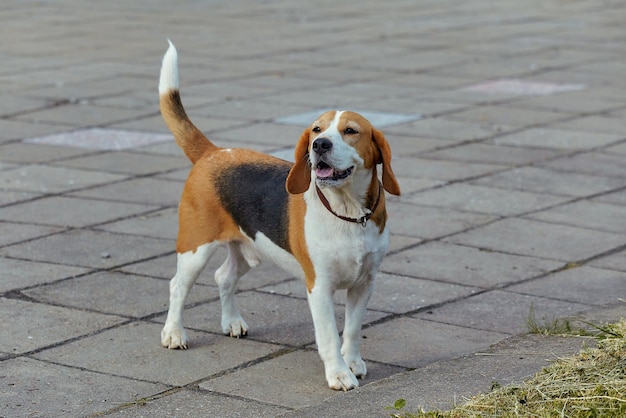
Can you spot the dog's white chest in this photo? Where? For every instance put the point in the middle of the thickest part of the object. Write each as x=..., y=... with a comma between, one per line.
x=342, y=252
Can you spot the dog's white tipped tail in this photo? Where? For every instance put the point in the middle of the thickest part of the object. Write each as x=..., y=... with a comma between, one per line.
x=187, y=136
x=169, y=70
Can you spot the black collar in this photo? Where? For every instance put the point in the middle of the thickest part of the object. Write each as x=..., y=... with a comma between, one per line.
x=362, y=220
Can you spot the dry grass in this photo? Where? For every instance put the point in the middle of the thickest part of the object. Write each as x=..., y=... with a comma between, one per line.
x=590, y=384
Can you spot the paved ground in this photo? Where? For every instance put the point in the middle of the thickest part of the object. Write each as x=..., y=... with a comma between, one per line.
x=508, y=125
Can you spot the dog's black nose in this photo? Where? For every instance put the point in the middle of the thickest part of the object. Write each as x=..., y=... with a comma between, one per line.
x=322, y=145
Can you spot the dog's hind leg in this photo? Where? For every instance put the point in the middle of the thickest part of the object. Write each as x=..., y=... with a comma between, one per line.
x=236, y=265
x=189, y=267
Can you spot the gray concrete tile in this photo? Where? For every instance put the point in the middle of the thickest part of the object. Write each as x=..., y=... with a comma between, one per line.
x=522, y=87
x=70, y=212
x=409, y=186
x=100, y=139
x=13, y=129
x=247, y=110
x=12, y=104
x=492, y=154
x=594, y=163
x=127, y=163
x=440, y=170
x=297, y=380
x=138, y=354
x=586, y=285
x=502, y=312
x=144, y=190
x=472, y=198
x=466, y=265
x=619, y=149
x=446, y=129
x=615, y=261
x=40, y=325
x=13, y=233
x=559, y=139
x=418, y=342
x=541, y=180
x=14, y=196
x=577, y=102
x=21, y=152
x=271, y=134
x=599, y=124
x=114, y=293
x=18, y=274
x=39, y=388
x=586, y=214
x=616, y=198
x=79, y=115
x=404, y=145
x=505, y=116
x=159, y=224
x=46, y=179
x=86, y=248
x=398, y=294
x=539, y=239
x=425, y=222
x=196, y=403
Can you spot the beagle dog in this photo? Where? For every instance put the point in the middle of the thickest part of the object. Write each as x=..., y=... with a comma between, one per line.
x=322, y=219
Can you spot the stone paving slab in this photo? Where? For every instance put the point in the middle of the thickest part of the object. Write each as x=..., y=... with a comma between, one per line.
x=86, y=248
x=475, y=267
x=501, y=311
x=136, y=352
x=70, y=212
x=493, y=154
x=427, y=222
x=586, y=214
x=540, y=180
x=541, y=239
x=491, y=201
x=512, y=179
x=581, y=285
x=39, y=388
x=40, y=325
x=19, y=274
x=46, y=179
x=195, y=403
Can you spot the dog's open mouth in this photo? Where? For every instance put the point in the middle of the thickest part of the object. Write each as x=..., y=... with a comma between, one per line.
x=325, y=172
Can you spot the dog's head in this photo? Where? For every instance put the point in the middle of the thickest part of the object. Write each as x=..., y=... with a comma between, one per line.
x=336, y=147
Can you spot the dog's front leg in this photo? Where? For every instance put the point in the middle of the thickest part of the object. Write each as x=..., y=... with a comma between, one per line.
x=356, y=304
x=338, y=375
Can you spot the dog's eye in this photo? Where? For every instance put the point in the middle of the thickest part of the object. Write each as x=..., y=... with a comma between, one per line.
x=316, y=129
x=350, y=131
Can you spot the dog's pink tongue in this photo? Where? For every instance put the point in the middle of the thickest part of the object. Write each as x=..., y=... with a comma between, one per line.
x=324, y=172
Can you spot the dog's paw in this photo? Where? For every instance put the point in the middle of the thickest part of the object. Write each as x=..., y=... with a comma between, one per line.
x=358, y=367
x=174, y=337
x=342, y=380
x=235, y=328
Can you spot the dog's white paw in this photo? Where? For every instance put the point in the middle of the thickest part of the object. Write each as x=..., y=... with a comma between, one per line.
x=342, y=380
x=358, y=367
x=235, y=328
x=174, y=337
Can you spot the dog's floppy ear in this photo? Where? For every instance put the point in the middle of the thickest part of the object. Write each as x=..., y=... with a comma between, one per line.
x=389, y=179
x=299, y=177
